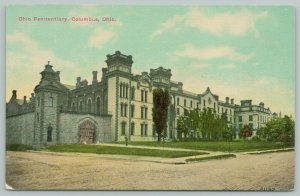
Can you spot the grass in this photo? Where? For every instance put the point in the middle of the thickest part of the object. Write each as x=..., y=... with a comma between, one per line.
x=98, y=149
x=273, y=151
x=211, y=157
x=235, y=146
x=19, y=147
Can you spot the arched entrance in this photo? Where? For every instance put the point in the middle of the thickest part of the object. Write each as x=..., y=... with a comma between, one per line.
x=86, y=132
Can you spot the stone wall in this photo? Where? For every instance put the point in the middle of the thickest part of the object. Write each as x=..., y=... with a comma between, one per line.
x=68, y=126
x=19, y=129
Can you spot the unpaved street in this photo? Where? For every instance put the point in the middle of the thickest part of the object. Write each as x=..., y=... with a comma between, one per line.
x=33, y=170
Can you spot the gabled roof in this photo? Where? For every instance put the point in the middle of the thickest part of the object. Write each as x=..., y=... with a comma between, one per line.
x=209, y=92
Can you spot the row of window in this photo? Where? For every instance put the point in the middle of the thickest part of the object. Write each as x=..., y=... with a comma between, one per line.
x=124, y=88
x=89, y=106
x=185, y=103
x=143, y=129
x=260, y=118
x=124, y=109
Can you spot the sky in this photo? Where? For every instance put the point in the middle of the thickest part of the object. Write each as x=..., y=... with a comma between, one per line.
x=239, y=52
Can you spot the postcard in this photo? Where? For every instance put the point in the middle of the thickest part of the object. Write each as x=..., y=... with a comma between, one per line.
x=150, y=97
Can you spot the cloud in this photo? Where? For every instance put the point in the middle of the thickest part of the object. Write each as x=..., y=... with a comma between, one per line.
x=236, y=23
x=101, y=36
x=172, y=22
x=225, y=52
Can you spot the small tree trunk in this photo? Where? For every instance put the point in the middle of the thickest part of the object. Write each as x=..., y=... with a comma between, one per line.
x=159, y=138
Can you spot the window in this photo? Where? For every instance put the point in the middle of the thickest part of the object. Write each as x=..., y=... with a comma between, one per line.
x=240, y=118
x=250, y=118
x=89, y=106
x=126, y=91
x=98, y=105
x=203, y=103
x=142, y=112
x=142, y=95
x=123, y=128
x=177, y=111
x=125, y=110
x=37, y=117
x=121, y=88
x=191, y=104
x=251, y=125
x=49, y=134
x=132, y=128
x=132, y=93
x=132, y=111
x=144, y=130
x=197, y=105
x=185, y=103
x=146, y=112
x=230, y=112
x=177, y=100
x=146, y=96
x=218, y=109
x=80, y=106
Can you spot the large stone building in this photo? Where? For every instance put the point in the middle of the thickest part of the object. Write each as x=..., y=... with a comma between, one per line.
x=118, y=105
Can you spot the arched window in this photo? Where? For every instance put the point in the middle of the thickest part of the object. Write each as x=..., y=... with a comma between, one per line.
x=89, y=105
x=132, y=128
x=49, y=134
x=98, y=105
x=123, y=128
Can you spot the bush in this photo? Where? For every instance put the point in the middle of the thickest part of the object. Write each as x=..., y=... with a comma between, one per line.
x=255, y=139
x=19, y=147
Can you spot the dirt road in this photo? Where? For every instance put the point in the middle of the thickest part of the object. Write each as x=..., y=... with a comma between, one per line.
x=31, y=170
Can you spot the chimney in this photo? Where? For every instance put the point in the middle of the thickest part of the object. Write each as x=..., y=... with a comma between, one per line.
x=180, y=85
x=95, y=80
x=78, y=82
x=24, y=100
x=232, y=101
x=227, y=100
x=57, y=75
x=14, y=94
x=32, y=96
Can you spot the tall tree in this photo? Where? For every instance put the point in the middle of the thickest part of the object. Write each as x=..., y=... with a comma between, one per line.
x=161, y=102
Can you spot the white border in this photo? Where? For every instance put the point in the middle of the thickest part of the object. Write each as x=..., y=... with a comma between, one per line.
x=3, y=191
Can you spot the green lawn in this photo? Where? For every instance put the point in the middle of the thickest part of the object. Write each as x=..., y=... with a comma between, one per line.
x=98, y=149
x=235, y=146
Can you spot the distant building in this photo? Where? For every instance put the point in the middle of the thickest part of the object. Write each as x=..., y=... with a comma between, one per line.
x=117, y=105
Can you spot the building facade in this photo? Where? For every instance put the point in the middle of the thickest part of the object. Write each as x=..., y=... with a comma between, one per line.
x=118, y=105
